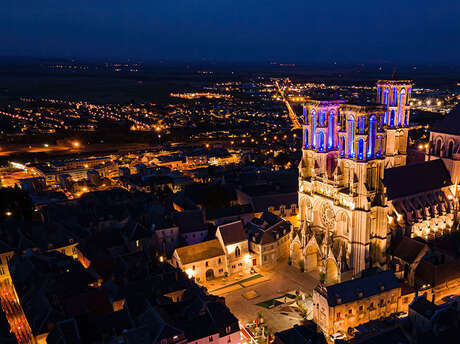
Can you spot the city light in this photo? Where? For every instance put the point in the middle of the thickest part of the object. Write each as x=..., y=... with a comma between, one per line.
x=247, y=258
x=76, y=144
x=189, y=273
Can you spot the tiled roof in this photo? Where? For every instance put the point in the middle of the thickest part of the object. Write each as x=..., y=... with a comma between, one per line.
x=423, y=307
x=232, y=232
x=408, y=249
x=361, y=288
x=201, y=251
x=417, y=178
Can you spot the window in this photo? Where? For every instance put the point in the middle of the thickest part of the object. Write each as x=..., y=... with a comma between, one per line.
x=207, y=264
x=237, y=252
x=330, y=136
x=210, y=338
x=450, y=150
x=338, y=316
x=361, y=308
x=233, y=266
x=193, y=267
x=219, y=261
x=221, y=270
x=321, y=141
x=313, y=129
x=228, y=329
x=351, y=136
x=239, y=264
x=350, y=311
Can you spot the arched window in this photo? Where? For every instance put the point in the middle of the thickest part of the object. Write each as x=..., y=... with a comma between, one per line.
x=322, y=118
x=438, y=148
x=351, y=136
x=330, y=137
x=237, y=252
x=321, y=141
x=394, y=97
x=402, y=101
x=305, y=138
x=313, y=129
x=406, y=118
x=372, y=130
x=361, y=124
x=392, y=119
x=342, y=146
x=380, y=146
x=306, y=115
x=361, y=149
x=450, y=151
x=385, y=116
x=385, y=96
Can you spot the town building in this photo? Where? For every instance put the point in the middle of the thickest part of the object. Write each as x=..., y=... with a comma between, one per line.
x=269, y=237
x=232, y=237
x=345, y=305
x=203, y=261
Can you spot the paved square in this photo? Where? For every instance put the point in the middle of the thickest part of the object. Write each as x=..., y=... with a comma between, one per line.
x=282, y=279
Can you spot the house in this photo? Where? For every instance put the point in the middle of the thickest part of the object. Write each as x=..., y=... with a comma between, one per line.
x=338, y=307
x=406, y=254
x=422, y=313
x=203, y=261
x=233, y=239
x=269, y=238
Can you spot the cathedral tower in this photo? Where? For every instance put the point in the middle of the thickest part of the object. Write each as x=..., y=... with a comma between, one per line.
x=346, y=148
x=395, y=95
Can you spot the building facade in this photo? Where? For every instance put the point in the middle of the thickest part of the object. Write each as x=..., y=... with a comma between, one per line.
x=342, y=203
x=348, y=304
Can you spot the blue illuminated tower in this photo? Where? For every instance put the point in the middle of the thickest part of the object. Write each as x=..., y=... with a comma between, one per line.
x=346, y=148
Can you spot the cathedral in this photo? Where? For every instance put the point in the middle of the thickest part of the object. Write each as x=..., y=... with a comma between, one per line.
x=356, y=192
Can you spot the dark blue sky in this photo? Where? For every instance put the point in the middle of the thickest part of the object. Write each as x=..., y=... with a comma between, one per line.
x=397, y=31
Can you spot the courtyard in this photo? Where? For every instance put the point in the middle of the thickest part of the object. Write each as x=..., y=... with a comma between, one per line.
x=273, y=293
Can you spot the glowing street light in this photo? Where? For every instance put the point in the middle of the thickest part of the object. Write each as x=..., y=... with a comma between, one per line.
x=76, y=144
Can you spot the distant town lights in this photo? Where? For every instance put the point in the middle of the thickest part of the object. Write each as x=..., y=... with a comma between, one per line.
x=76, y=144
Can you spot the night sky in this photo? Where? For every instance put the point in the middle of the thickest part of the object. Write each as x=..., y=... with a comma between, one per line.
x=398, y=31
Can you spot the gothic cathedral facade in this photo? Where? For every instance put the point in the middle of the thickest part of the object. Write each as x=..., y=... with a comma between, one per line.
x=342, y=203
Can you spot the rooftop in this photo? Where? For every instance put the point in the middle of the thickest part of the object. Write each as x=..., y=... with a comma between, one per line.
x=361, y=288
x=423, y=307
x=409, y=180
x=201, y=251
x=232, y=232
